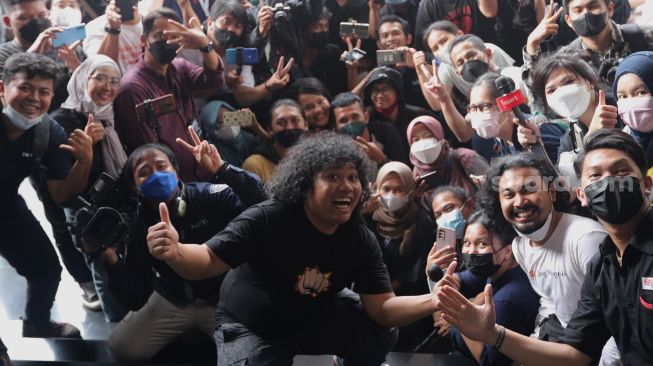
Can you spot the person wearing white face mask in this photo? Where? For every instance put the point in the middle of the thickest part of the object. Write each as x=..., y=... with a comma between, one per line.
x=632, y=86
x=65, y=13
x=490, y=122
x=404, y=234
x=235, y=143
x=553, y=247
x=429, y=152
x=569, y=88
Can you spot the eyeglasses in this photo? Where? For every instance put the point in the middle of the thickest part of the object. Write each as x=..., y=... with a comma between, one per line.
x=384, y=91
x=104, y=79
x=483, y=107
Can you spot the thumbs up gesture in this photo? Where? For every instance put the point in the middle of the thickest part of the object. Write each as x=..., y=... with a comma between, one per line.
x=605, y=115
x=162, y=238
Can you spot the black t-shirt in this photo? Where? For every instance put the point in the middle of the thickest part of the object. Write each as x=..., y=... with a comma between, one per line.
x=463, y=13
x=286, y=270
x=17, y=161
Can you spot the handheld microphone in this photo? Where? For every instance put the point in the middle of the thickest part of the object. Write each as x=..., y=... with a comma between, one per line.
x=511, y=99
x=435, y=274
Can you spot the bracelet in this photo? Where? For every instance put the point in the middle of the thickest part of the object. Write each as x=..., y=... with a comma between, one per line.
x=110, y=30
x=221, y=171
x=502, y=335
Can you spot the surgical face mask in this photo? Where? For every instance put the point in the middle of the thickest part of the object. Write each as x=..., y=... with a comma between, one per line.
x=225, y=38
x=588, y=24
x=65, y=17
x=287, y=138
x=473, y=69
x=393, y=202
x=570, y=101
x=637, y=112
x=159, y=186
x=615, y=199
x=227, y=133
x=426, y=150
x=482, y=265
x=92, y=107
x=30, y=31
x=539, y=234
x=318, y=39
x=18, y=120
x=453, y=220
x=486, y=124
x=163, y=52
x=353, y=129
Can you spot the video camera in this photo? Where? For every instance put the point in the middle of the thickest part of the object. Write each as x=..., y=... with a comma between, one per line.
x=101, y=222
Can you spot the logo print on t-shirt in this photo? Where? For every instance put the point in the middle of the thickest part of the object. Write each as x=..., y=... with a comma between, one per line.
x=312, y=282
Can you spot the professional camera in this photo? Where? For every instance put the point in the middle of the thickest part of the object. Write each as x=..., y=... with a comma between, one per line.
x=281, y=12
x=100, y=222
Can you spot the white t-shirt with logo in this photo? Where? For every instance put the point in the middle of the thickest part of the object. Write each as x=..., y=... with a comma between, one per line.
x=557, y=268
x=130, y=44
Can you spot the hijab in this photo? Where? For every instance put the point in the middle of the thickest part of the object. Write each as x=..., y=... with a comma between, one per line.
x=465, y=156
x=395, y=225
x=113, y=154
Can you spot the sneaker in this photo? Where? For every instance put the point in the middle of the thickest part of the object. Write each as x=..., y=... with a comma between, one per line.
x=4, y=360
x=90, y=299
x=50, y=329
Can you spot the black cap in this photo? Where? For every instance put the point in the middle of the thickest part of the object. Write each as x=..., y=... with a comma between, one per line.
x=388, y=75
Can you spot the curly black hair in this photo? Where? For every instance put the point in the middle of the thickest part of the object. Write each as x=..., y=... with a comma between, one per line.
x=487, y=198
x=294, y=176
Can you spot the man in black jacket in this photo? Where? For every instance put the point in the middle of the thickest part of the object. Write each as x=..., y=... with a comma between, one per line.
x=199, y=210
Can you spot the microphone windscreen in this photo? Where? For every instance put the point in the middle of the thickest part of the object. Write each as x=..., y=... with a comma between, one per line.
x=504, y=84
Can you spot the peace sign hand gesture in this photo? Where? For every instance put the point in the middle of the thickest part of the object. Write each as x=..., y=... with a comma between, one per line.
x=435, y=86
x=281, y=76
x=206, y=154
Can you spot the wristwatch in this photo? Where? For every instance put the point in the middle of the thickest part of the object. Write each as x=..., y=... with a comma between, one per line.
x=208, y=48
x=110, y=30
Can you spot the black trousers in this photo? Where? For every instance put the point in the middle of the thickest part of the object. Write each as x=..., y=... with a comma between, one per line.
x=72, y=259
x=27, y=248
x=344, y=330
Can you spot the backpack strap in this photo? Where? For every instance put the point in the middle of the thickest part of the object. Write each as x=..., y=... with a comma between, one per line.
x=41, y=138
x=634, y=36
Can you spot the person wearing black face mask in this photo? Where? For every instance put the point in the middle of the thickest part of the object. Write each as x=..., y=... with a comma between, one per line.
x=160, y=72
x=486, y=252
x=616, y=298
x=598, y=33
x=287, y=126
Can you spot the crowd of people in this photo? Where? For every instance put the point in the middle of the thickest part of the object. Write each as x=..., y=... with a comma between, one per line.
x=341, y=177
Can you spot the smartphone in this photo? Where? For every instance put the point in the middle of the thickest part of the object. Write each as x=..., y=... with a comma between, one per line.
x=445, y=237
x=432, y=179
x=238, y=118
x=355, y=30
x=126, y=9
x=354, y=55
x=390, y=57
x=160, y=106
x=69, y=35
x=242, y=56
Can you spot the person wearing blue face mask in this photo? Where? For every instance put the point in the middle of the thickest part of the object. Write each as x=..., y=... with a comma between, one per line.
x=451, y=207
x=164, y=306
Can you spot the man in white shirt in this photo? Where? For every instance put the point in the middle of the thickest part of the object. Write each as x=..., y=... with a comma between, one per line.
x=110, y=35
x=553, y=247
